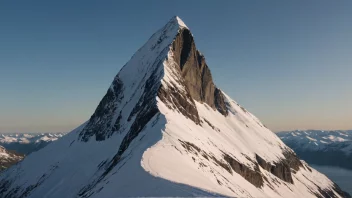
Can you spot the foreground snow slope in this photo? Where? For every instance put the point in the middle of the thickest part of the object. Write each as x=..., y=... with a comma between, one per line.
x=164, y=129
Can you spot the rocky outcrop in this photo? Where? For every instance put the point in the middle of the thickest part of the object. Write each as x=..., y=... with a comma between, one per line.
x=196, y=73
x=279, y=169
x=180, y=101
x=144, y=111
x=101, y=122
x=253, y=176
x=176, y=99
x=229, y=164
x=292, y=160
x=220, y=102
x=282, y=169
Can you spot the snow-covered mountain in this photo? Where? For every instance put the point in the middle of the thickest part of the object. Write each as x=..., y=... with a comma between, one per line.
x=164, y=129
x=8, y=158
x=333, y=148
x=27, y=143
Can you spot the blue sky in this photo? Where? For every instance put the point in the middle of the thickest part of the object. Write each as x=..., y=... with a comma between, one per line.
x=288, y=62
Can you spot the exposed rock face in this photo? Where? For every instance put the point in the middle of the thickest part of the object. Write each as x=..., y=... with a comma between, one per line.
x=282, y=169
x=196, y=72
x=102, y=121
x=292, y=160
x=220, y=102
x=144, y=111
x=179, y=100
x=253, y=176
x=182, y=102
x=229, y=164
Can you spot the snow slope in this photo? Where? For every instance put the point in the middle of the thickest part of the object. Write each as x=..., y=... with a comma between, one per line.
x=164, y=129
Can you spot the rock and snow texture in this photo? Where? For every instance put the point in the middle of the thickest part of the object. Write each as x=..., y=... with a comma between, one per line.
x=332, y=148
x=164, y=129
x=26, y=143
x=8, y=158
x=29, y=137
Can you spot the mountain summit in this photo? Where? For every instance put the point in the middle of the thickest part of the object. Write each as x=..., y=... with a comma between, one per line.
x=164, y=129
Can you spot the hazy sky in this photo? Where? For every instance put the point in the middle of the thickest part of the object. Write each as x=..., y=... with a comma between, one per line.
x=288, y=62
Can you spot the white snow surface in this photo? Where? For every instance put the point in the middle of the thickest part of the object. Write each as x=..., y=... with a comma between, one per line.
x=156, y=163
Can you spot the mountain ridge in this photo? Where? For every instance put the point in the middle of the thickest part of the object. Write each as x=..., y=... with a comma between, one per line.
x=164, y=129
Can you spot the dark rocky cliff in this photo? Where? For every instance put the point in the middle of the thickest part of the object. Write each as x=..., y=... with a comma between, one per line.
x=196, y=73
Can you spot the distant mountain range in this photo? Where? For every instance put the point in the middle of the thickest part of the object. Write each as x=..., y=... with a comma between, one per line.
x=8, y=158
x=328, y=148
x=26, y=143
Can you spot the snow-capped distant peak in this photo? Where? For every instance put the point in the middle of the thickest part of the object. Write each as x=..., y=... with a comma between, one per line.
x=26, y=143
x=313, y=140
x=26, y=138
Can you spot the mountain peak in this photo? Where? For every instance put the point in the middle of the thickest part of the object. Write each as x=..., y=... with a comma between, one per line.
x=163, y=124
x=175, y=24
x=178, y=20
